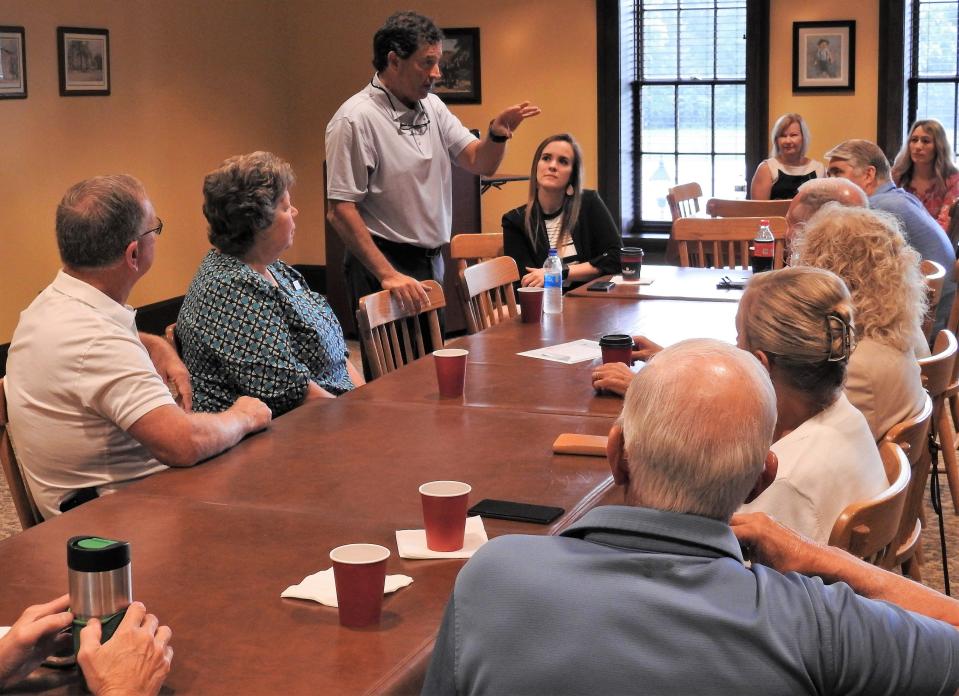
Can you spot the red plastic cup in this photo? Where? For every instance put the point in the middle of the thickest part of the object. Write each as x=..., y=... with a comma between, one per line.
x=450, y=370
x=359, y=571
x=617, y=348
x=531, y=302
x=444, y=514
x=631, y=263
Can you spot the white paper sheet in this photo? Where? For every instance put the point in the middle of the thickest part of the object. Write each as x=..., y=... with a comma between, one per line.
x=567, y=353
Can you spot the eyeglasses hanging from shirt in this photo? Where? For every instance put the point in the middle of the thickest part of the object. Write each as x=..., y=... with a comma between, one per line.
x=410, y=128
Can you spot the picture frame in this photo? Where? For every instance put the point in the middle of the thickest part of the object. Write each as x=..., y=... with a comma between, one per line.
x=84, y=61
x=824, y=56
x=13, y=63
x=460, y=65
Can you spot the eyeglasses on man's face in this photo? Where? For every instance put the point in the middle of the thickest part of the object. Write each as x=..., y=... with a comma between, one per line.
x=158, y=229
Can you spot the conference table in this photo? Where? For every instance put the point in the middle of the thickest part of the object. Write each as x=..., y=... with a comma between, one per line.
x=214, y=546
x=674, y=283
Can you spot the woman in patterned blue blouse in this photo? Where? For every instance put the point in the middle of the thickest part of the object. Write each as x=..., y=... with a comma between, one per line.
x=249, y=325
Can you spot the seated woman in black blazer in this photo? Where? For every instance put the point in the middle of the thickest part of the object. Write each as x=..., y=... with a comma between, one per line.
x=562, y=216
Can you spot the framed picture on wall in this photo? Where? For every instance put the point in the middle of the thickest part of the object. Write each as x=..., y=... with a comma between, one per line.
x=824, y=56
x=84, y=60
x=460, y=65
x=13, y=63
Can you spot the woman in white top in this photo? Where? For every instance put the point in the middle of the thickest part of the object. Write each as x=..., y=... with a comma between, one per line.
x=787, y=168
x=799, y=323
x=866, y=249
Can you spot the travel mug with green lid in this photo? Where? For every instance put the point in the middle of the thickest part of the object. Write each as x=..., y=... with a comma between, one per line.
x=101, y=583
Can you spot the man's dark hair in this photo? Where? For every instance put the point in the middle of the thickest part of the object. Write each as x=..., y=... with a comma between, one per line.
x=98, y=218
x=404, y=33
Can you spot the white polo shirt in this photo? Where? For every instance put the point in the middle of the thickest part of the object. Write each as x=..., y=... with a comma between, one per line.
x=77, y=378
x=400, y=181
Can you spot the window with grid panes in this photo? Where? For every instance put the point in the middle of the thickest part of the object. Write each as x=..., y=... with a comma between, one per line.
x=688, y=100
x=932, y=65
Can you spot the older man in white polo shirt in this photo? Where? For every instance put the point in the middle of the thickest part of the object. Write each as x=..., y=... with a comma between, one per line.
x=389, y=150
x=87, y=395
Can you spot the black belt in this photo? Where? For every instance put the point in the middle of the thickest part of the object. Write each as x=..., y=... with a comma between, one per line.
x=399, y=248
x=84, y=495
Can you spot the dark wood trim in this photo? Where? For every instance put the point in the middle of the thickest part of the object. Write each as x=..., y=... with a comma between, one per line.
x=608, y=105
x=154, y=318
x=892, y=69
x=757, y=85
x=315, y=276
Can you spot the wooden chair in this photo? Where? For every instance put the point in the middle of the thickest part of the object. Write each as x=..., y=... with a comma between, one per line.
x=727, y=239
x=722, y=207
x=170, y=335
x=473, y=248
x=868, y=529
x=393, y=337
x=487, y=292
x=683, y=200
x=942, y=383
x=912, y=436
x=935, y=276
x=22, y=499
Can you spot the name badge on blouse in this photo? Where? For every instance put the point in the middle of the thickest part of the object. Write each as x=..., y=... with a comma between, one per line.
x=296, y=285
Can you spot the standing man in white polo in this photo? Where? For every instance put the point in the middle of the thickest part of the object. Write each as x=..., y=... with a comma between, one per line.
x=389, y=150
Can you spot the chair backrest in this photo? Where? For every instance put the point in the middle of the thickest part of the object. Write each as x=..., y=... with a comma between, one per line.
x=473, y=248
x=170, y=335
x=723, y=207
x=726, y=239
x=935, y=276
x=938, y=369
x=912, y=436
x=683, y=200
x=953, y=323
x=868, y=529
x=22, y=499
x=487, y=292
x=393, y=337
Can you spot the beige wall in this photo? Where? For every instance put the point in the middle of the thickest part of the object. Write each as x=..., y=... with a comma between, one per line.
x=194, y=82
x=197, y=80
x=519, y=61
x=831, y=118
x=191, y=83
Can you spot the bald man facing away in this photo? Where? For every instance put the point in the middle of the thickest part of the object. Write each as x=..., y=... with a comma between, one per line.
x=654, y=596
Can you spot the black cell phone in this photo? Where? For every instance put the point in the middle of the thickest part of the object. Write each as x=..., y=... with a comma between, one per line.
x=602, y=286
x=518, y=512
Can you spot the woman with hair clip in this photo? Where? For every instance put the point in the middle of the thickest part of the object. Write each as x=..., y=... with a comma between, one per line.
x=788, y=168
x=798, y=322
x=924, y=168
x=561, y=215
x=866, y=249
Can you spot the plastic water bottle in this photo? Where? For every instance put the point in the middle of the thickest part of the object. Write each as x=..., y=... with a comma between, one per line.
x=764, y=248
x=553, y=284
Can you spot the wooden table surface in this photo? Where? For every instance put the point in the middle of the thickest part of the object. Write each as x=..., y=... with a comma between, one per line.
x=214, y=546
x=673, y=283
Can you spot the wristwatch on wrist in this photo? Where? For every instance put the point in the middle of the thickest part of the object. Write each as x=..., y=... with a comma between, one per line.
x=498, y=138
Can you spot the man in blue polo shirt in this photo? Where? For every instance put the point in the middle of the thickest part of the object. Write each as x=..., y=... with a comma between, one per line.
x=863, y=163
x=654, y=597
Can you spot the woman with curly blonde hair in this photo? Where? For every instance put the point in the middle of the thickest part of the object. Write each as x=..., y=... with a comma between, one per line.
x=866, y=249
